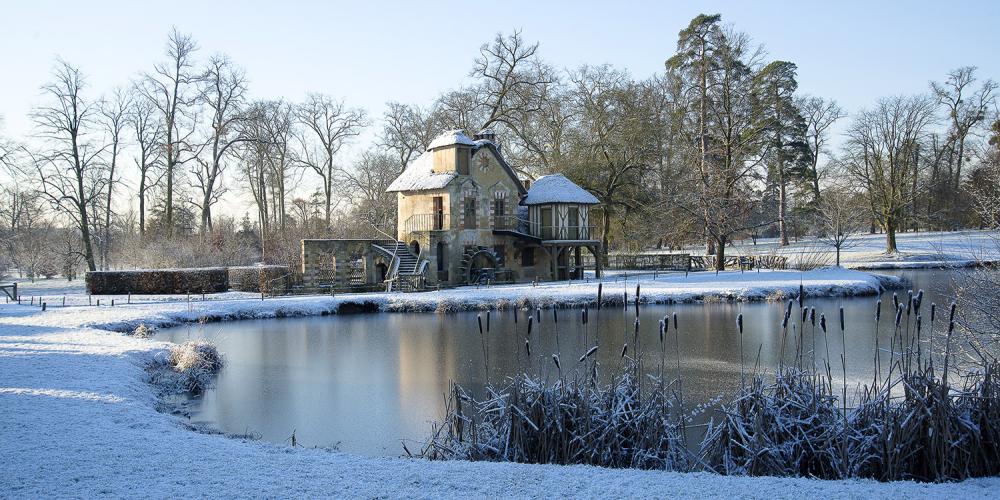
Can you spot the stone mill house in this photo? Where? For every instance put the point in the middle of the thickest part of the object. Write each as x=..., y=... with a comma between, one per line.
x=465, y=217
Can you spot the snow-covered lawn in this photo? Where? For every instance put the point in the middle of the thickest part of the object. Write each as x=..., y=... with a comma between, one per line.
x=78, y=419
x=867, y=251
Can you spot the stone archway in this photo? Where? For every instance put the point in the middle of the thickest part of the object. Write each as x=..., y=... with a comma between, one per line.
x=381, y=271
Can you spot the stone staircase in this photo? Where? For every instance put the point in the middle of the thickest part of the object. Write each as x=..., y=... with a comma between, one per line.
x=408, y=271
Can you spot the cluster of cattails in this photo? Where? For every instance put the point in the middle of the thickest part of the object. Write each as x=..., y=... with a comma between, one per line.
x=911, y=424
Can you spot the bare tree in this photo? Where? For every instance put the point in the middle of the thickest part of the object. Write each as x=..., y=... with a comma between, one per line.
x=69, y=171
x=147, y=130
x=168, y=87
x=514, y=85
x=407, y=131
x=366, y=183
x=331, y=124
x=882, y=154
x=820, y=114
x=114, y=113
x=840, y=219
x=612, y=142
x=223, y=89
x=966, y=108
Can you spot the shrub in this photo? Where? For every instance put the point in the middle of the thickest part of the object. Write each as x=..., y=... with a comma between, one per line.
x=272, y=279
x=158, y=281
x=188, y=367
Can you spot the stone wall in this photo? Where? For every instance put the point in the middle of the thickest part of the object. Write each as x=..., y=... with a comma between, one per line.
x=342, y=264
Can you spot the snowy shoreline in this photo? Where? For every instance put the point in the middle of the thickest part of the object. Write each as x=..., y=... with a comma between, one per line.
x=729, y=286
x=84, y=420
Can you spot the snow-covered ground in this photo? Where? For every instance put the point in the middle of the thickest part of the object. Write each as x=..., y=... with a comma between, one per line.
x=78, y=419
x=867, y=251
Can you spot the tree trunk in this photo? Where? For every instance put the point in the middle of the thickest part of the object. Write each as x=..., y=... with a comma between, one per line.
x=782, y=206
x=605, y=229
x=142, y=206
x=890, y=235
x=720, y=254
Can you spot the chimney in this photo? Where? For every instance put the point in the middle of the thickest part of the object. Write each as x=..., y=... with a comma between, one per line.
x=487, y=135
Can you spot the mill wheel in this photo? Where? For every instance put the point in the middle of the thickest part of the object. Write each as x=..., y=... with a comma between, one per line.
x=474, y=261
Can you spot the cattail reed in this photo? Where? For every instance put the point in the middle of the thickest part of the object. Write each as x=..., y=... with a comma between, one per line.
x=590, y=352
x=600, y=295
x=739, y=326
x=482, y=339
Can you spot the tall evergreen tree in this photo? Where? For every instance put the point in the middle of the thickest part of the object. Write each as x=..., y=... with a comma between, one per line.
x=785, y=128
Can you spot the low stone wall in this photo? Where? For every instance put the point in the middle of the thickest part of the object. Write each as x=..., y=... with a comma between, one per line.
x=158, y=281
x=341, y=264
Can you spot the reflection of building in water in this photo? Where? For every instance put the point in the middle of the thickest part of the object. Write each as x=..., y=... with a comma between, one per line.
x=428, y=363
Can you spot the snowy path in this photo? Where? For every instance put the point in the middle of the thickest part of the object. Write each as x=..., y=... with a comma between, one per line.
x=78, y=418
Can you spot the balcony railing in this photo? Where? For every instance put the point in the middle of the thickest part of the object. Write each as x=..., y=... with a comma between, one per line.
x=440, y=221
x=443, y=221
x=533, y=228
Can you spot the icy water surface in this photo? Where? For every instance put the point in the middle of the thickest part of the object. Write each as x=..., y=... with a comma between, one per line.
x=367, y=382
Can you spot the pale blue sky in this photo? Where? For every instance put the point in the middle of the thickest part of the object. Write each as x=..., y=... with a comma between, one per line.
x=373, y=52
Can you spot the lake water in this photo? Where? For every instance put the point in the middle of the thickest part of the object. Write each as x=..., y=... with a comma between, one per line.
x=367, y=382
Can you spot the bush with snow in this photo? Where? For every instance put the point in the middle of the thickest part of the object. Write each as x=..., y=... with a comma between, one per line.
x=188, y=367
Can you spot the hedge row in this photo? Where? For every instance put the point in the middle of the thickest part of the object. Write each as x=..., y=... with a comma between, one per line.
x=270, y=279
x=158, y=281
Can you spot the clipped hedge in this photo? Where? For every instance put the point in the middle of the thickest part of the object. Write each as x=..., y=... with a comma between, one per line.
x=158, y=281
x=272, y=279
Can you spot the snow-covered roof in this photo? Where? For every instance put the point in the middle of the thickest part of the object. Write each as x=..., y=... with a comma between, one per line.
x=419, y=176
x=556, y=188
x=449, y=138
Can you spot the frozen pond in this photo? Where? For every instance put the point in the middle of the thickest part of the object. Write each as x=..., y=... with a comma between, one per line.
x=367, y=382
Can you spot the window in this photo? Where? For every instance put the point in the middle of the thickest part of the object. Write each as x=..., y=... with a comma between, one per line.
x=499, y=221
x=573, y=222
x=527, y=257
x=438, y=213
x=546, y=222
x=470, y=212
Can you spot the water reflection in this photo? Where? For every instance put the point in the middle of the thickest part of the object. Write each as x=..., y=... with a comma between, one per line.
x=366, y=382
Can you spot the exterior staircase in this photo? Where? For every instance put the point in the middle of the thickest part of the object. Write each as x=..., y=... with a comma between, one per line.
x=406, y=274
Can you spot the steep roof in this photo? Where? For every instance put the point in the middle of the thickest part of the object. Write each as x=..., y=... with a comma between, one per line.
x=450, y=138
x=419, y=176
x=556, y=188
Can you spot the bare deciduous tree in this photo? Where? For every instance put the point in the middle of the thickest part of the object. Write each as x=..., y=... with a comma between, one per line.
x=331, y=124
x=820, y=114
x=223, y=89
x=966, y=108
x=147, y=130
x=407, y=131
x=114, y=118
x=882, y=155
x=169, y=87
x=69, y=170
x=840, y=219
